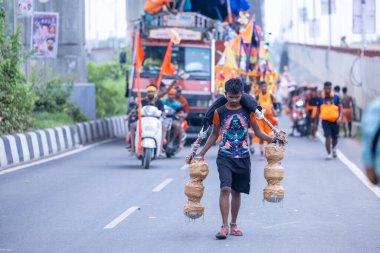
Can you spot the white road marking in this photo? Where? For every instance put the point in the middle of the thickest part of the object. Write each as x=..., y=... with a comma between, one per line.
x=72, y=152
x=184, y=167
x=354, y=169
x=121, y=217
x=162, y=185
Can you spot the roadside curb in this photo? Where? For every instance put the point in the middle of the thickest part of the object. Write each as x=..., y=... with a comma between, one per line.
x=25, y=147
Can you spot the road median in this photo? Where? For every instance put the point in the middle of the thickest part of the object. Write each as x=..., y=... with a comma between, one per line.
x=21, y=148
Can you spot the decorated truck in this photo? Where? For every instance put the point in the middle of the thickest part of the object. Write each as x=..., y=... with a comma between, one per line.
x=194, y=58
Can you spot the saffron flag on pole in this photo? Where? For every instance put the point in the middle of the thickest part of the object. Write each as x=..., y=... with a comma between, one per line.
x=167, y=67
x=140, y=54
x=139, y=58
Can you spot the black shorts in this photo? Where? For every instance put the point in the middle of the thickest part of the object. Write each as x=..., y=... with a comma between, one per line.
x=234, y=173
x=330, y=129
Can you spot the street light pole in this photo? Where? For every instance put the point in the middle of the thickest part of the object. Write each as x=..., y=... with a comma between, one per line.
x=330, y=36
x=362, y=26
x=15, y=7
x=314, y=24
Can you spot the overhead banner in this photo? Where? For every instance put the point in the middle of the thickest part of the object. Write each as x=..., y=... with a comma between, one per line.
x=45, y=34
x=165, y=33
x=369, y=9
x=24, y=8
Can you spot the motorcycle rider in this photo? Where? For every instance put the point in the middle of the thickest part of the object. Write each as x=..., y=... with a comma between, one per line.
x=150, y=99
x=177, y=106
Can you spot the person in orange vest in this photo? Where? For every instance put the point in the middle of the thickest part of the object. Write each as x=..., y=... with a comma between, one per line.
x=312, y=102
x=268, y=102
x=330, y=114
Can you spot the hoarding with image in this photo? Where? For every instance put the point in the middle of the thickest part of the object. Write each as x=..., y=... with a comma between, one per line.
x=45, y=34
x=24, y=8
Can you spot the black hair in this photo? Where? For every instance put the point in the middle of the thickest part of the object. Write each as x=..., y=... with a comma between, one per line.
x=344, y=90
x=152, y=85
x=247, y=89
x=328, y=83
x=262, y=83
x=234, y=86
x=337, y=88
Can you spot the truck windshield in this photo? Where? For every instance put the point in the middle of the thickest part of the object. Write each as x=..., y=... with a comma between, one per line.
x=195, y=62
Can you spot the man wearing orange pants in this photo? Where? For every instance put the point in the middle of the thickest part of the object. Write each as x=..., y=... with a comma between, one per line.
x=348, y=112
x=268, y=103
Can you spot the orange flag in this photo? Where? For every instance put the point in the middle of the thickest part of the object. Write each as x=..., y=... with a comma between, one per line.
x=247, y=33
x=140, y=54
x=167, y=67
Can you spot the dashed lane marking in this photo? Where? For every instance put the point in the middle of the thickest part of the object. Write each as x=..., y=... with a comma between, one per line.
x=121, y=217
x=162, y=185
x=184, y=167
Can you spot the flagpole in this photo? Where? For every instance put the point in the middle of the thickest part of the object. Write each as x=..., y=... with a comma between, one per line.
x=138, y=63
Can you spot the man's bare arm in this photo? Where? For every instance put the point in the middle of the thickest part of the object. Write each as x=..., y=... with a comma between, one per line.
x=162, y=94
x=210, y=141
x=260, y=133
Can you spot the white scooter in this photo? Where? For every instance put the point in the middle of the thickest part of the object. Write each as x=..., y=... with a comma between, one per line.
x=151, y=135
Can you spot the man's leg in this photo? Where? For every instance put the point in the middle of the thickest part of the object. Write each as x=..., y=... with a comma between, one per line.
x=133, y=134
x=349, y=129
x=164, y=130
x=235, y=206
x=224, y=203
x=261, y=148
x=344, y=129
x=176, y=129
x=328, y=147
x=334, y=137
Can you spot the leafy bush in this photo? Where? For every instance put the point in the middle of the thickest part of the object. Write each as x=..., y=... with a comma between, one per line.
x=16, y=98
x=42, y=120
x=109, y=80
x=52, y=93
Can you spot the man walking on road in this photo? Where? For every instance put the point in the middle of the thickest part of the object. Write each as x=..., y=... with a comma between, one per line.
x=348, y=112
x=330, y=113
x=231, y=121
x=268, y=102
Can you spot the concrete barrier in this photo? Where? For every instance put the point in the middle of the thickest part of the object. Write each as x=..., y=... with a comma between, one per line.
x=24, y=147
x=343, y=67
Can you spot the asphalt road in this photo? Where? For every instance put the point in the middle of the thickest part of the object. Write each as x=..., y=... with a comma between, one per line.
x=73, y=205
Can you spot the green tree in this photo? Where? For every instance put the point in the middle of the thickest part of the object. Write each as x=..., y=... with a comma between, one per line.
x=16, y=98
x=109, y=80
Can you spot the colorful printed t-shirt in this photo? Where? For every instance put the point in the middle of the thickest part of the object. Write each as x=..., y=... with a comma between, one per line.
x=234, y=125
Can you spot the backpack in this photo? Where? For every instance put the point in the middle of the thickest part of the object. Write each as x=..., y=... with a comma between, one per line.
x=329, y=112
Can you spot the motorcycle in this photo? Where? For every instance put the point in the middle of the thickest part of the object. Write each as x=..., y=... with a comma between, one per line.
x=170, y=116
x=299, y=117
x=151, y=135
